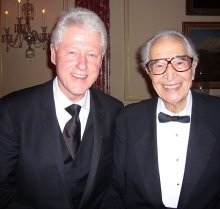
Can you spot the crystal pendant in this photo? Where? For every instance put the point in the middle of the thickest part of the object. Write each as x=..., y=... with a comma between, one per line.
x=29, y=53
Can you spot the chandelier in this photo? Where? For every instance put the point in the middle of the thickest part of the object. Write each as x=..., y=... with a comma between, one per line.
x=24, y=32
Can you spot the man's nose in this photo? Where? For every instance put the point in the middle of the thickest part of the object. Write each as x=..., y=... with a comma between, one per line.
x=170, y=72
x=82, y=61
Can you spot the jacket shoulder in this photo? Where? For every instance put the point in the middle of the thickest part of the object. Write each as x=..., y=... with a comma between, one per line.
x=140, y=109
x=105, y=99
x=206, y=101
x=145, y=104
x=28, y=92
x=30, y=96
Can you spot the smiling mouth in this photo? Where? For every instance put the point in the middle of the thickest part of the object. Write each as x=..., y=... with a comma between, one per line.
x=171, y=86
x=79, y=76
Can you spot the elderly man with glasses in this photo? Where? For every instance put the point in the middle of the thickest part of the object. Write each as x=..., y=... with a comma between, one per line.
x=167, y=149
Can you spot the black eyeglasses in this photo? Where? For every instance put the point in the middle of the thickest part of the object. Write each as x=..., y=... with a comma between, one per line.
x=179, y=63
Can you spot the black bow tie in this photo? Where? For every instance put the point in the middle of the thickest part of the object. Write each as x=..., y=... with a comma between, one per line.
x=163, y=118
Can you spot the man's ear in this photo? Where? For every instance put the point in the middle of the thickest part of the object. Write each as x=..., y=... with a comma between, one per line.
x=52, y=54
x=194, y=65
x=148, y=73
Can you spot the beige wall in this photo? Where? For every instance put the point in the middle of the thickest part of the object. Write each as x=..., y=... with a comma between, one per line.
x=16, y=71
x=132, y=22
x=142, y=19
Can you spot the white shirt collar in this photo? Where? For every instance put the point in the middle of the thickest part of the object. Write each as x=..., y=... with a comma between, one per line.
x=64, y=102
x=61, y=102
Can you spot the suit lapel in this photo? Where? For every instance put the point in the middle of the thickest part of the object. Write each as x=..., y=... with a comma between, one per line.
x=147, y=160
x=200, y=144
x=51, y=129
x=97, y=116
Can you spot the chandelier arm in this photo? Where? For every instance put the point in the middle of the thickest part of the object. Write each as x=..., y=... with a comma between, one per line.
x=23, y=32
x=38, y=45
x=40, y=38
x=16, y=43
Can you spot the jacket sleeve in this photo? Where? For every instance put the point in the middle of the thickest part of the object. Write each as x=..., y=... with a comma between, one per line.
x=9, y=154
x=116, y=194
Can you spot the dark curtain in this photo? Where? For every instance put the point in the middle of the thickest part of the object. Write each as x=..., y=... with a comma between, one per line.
x=100, y=7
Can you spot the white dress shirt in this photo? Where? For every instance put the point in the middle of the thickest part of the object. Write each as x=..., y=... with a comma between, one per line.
x=172, y=142
x=61, y=102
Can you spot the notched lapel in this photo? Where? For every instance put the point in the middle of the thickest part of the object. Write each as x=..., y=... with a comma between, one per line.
x=147, y=160
x=53, y=134
x=51, y=129
x=97, y=114
x=200, y=145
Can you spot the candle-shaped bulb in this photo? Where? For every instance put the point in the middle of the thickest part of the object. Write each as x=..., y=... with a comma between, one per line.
x=6, y=18
x=43, y=17
x=19, y=8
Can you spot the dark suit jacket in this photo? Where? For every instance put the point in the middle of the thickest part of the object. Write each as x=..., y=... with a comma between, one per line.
x=31, y=166
x=136, y=182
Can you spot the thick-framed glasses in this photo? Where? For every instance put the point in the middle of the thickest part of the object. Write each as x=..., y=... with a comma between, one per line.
x=179, y=63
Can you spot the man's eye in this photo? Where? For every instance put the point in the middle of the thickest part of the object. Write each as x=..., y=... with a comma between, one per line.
x=159, y=64
x=72, y=52
x=180, y=62
x=93, y=55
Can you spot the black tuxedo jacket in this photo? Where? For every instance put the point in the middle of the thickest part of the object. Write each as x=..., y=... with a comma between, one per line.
x=31, y=165
x=136, y=181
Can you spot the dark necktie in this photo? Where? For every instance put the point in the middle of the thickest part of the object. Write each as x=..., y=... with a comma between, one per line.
x=163, y=118
x=72, y=129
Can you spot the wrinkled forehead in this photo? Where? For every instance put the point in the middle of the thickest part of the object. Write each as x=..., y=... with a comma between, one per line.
x=168, y=41
x=166, y=47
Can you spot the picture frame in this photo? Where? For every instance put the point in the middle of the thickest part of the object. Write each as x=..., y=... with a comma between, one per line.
x=206, y=38
x=203, y=7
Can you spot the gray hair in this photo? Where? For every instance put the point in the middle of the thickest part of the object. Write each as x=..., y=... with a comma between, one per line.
x=81, y=17
x=145, y=49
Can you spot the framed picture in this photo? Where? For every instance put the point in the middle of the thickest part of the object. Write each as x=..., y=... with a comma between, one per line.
x=203, y=7
x=206, y=38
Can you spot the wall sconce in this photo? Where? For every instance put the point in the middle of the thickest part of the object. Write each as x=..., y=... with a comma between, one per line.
x=23, y=31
